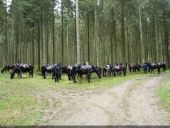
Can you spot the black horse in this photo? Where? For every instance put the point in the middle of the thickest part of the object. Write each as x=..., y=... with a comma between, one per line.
x=109, y=70
x=7, y=67
x=148, y=67
x=46, y=69
x=163, y=66
x=79, y=70
x=71, y=73
x=56, y=72
x=134, y=67
x=22, y=68
x=119, y=69
x=153, y=67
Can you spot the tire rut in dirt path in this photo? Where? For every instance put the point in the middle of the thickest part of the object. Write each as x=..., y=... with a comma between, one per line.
x=142, y=105
x=134, y=103
x=130, y=103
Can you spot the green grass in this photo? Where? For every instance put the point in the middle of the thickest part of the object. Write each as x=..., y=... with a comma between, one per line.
x=163, y=92
x=19, y=107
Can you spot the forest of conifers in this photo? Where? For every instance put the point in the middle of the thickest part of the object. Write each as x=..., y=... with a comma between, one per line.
x=111, y=31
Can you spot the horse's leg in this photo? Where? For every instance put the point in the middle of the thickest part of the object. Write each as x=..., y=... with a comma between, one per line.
x=88, y=77
x=124, y=72
x=108, y=73
x=114, y=73
x=158, y=70
x=104, y=73
x=58, y=76
x=74, y=77
x=20, y=74
x=55, y=77
x=32, y=72
x=44, y=75
x=68, y=76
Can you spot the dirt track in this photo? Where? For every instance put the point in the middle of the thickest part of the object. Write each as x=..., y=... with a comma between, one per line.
x=131, y=103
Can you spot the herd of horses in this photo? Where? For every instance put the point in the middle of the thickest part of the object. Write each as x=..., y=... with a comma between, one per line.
x=78, y=70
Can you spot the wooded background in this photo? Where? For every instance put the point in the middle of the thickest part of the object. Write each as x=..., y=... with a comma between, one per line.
x=111, y=31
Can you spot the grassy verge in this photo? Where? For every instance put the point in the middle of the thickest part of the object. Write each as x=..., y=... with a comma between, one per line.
x=19, y=107
x=163, y=92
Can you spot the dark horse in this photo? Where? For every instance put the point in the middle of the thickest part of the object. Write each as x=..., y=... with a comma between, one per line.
x=69, y=71
x=119, y=69
x=7, y=67
x=87, y=70
x=163, y=66
x=56, y=72
x=114, y=69
x=46, y=69
x=134, y=67
x=109, y=70
x=148, y=67
x=153, y=66
x=22, y=68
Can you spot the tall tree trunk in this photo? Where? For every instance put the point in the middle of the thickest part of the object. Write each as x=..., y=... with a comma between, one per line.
x=68, y=58
x=167, y=51
x=141, y=58
x=47, y=40
x=39, y=41
x=112, y=36
x=62, y=34
x=88, y=36
x=33, y=46
x=6, y=35
x=53, y=32
x=96, y=38
x=123, y=32
x=77, y=31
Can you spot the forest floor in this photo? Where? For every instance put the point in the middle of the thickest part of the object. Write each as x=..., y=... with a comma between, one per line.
x=137, y=99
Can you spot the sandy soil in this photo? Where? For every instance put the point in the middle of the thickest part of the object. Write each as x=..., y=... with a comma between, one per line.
x=131, y=103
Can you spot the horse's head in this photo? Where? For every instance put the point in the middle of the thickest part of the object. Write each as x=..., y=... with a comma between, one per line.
x=12, y=74
x=98, y=71
x=4, y=68
x=139, y=65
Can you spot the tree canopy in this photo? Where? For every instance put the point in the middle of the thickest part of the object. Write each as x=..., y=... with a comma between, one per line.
x=111, y=31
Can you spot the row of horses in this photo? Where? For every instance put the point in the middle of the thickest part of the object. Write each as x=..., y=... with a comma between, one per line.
x=147, y=67
x=78, y=70
x=18, y=69
x=56, y=70
x=73, y=72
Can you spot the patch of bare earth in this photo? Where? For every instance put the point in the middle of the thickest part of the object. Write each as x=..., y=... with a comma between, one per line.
x=131, y=103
